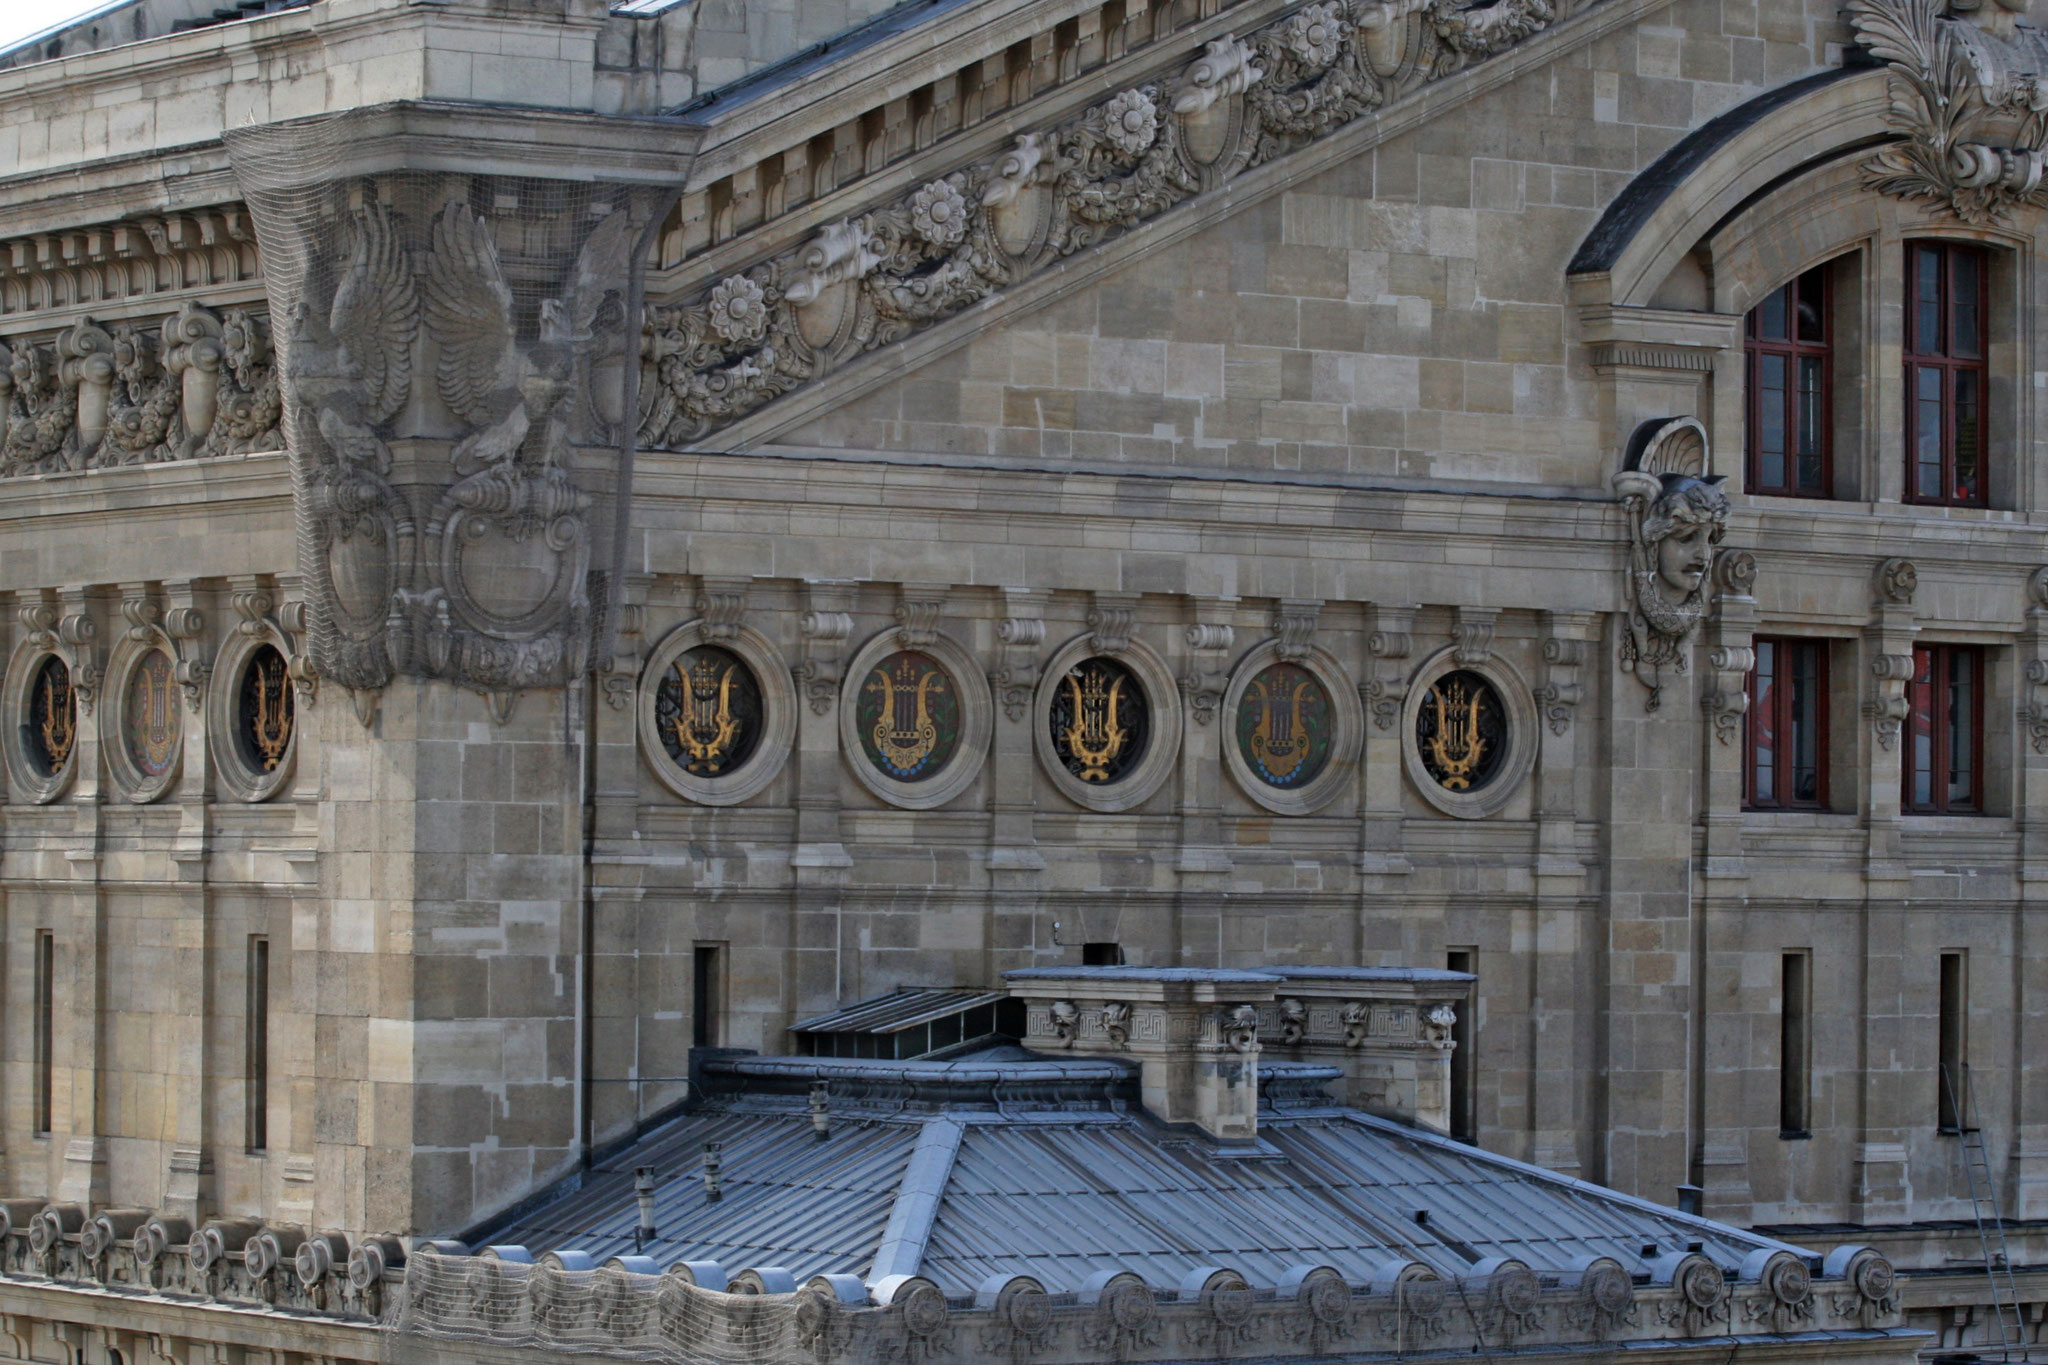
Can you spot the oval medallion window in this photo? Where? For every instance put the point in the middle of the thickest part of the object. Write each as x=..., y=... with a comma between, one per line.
x=1461, y=732
x=708, y=712
x=263, y=711
x=1099, y=722
x=907, y=716
x=51, y=731
x=149, y=716
x=1286, y=726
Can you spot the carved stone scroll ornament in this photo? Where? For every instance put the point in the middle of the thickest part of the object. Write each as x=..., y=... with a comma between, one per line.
x=1969, y=99
x=96, y=396
x=1676, y=514
x=870, y=281
x=442, y=530
x=2034, y=710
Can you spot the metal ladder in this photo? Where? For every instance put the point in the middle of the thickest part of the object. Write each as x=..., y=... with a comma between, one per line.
x=2005, y=1293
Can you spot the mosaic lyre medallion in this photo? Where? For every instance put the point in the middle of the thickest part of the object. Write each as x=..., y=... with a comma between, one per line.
x=708, y=712
x=1285, y=726
x=263, y=711
x=907, y=715
x=50, y=731
x=1100, y=721
x=149, y=716
x=1461, y=732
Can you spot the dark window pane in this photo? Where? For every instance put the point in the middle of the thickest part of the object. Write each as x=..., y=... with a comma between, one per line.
x=1968, y=430
x=1772, y=379
x=1926, y=338
x=1811, y=418
x=1770, y=315
x=1962, y=728
x=1763, y=730
x=1811, y=292
x=1927, y=432
x=1920, y=732
x=1964, y=338
x=1805, y=719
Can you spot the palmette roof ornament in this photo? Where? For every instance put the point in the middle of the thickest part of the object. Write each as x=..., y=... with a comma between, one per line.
x=876, y=278
x=1969, y=95
x=1677, y=514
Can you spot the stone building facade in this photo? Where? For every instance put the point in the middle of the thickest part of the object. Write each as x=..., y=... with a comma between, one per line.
x=541, y=538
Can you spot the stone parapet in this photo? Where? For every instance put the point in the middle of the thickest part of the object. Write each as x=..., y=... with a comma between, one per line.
x=1194, y=1033
x=1387, y=1028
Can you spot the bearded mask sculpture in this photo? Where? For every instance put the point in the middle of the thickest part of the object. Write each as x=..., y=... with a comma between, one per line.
x=1677, y=514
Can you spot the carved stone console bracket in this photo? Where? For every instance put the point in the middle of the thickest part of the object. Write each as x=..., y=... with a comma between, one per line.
x=1726, y=699
x=2034, y=712
x=1111, y=618
x=825, y=626
x=1472, y=629
x=1020, y=633
x=1209, y=643
x=1566, y=644
x=1887, y=707
x=1965, y=102
x=441, y=531
x=722, y=606
x=1391, y=642
x=1676, y=513
x=1294, y=624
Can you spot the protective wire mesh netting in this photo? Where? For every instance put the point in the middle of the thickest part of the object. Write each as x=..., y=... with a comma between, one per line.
x=460, y=363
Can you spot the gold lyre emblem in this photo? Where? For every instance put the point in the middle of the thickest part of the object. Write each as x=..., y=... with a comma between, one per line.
x=1095, y=733
x=1279, y=741
x=1457, y=746
x=59, y=727
x=705, y=725
x=270, y=720
x=152, y=719
x=904, y=733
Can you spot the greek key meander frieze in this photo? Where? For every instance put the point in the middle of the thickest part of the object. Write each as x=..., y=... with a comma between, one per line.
x=874, y=279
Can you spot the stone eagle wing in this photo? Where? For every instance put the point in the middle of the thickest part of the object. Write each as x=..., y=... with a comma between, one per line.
x=376, y=314
x=469, y=312
x=600, y=270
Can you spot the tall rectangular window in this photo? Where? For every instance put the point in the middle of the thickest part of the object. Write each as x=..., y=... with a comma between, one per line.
x=707, y=995
x=1787, y=726
x=1788, y=340
x=1945, y=730
x=1946, y=373
x=1795, y=1046
x=1464, y=1119
x=45, y=1027
x=1952, y=1044
x=256, y=1065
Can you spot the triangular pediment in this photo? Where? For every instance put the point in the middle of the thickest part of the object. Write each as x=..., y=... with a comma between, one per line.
x=760, y=331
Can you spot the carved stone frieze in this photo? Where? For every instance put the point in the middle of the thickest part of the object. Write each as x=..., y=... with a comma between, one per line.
x=1676, y=513
x=95, y=396
x=872, y=280
x=1967, y=100
x=442, y=533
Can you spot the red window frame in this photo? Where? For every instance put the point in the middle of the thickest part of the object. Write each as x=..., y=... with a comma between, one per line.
x=1796, y=351
x=1771, y=724
x=1934, y=731
x=1947, y=373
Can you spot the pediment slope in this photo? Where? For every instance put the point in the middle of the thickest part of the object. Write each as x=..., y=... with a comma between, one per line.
x=744, y=354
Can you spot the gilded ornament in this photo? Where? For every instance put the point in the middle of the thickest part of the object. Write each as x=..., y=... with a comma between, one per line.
x=908, y=718
x=708, y=710
x=53, y=718
x=1461, y=732
x=266, y=710
x=149, y=720
x=1099, y=721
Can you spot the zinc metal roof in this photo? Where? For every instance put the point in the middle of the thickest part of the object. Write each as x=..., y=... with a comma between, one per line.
x=901, y=1010
x=1078, y=1181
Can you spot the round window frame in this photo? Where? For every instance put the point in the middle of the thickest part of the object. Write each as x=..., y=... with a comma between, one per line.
x=977, y=722
x=1162, y=695
x=135, y=786
x=778, y=715
x=1522, y=722
x=223, y=697
x=22, y=672
x=1346, y=744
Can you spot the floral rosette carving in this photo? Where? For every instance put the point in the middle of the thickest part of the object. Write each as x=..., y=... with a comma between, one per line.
x=873, y=279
